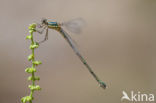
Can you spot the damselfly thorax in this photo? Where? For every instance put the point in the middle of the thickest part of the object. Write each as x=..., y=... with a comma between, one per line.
x=54, y=25
x=51, y=25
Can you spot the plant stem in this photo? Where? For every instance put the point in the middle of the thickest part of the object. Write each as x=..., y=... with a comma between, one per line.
x=32, y=69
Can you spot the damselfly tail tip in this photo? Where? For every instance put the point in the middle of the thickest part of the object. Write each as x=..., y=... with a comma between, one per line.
x=102, y=84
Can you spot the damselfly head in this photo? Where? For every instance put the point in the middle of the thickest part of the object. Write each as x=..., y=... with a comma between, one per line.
x=44, y=21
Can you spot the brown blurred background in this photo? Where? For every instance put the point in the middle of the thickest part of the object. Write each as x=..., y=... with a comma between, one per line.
x=119, y=42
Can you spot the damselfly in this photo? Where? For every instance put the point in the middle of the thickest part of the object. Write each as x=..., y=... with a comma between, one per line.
x=73, y=26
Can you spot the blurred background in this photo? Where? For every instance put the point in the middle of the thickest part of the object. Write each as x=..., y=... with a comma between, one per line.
x=119, y=42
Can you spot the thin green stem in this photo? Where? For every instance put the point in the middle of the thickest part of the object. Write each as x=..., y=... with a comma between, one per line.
x=33, y=59
x=32, y=70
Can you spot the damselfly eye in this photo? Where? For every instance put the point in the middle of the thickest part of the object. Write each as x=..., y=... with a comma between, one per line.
x=44, y=21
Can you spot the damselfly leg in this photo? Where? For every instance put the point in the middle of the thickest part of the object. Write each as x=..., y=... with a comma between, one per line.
x=43, y=27
x=46, y=36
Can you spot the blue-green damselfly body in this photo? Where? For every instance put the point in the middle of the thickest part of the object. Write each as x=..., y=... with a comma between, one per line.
x=45, y=25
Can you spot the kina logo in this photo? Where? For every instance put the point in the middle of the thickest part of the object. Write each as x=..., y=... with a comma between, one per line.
x=137, y=97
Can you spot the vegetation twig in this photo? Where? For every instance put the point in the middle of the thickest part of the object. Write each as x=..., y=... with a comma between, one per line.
x=33, y=87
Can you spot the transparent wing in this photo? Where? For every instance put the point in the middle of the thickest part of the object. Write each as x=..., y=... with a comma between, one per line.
x=75, y=25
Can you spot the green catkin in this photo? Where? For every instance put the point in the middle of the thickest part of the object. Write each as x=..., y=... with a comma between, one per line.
x=31, y=70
